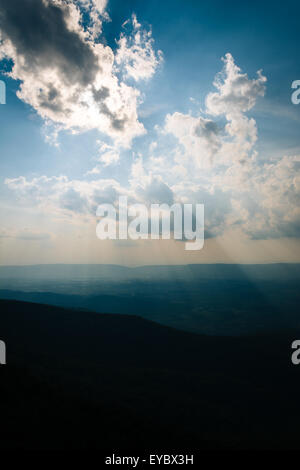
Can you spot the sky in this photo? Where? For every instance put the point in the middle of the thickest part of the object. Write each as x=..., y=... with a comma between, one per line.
x=162, y=102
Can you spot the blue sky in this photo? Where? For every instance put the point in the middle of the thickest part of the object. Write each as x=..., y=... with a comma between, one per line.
x=193, y=37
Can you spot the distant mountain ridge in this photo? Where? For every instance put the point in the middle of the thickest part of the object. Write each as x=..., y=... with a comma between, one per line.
x=211, y=299
x=276, y=271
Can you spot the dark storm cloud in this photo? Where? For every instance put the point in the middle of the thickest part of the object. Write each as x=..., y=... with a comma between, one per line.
x=39, y=33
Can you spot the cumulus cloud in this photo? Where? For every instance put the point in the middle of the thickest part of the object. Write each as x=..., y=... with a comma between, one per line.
x=62, y=196
x=108, y=154
x=66, y=73
x=198, y=136
x=275, y=211
x=236, y=93
x=96, y=10
x=207, y=158
x=223, y=169
x=201, y=137
x=135, y=55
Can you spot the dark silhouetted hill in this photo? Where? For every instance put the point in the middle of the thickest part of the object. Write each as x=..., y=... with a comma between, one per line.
x=81, y=380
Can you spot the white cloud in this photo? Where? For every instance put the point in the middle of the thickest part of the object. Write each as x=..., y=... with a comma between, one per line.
x=66, y=74
x=198, y=136
x=223, y=169
x=204, y=158
x=108, y=154
x=202, y=138
x=276, y=191
x=135, y=55
x=60, y=196
x=236, y=93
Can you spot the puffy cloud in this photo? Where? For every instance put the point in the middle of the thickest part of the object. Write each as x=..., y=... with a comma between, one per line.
x=67, y=75
x=39, y=36
x=135, y=55
x=96, y=9
x=108, y=154
x=223, y=169
x=60, y=196
x=195, y=159
x=199, y=137
x=236, y=93
x=277, y=209
x=147, y=187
